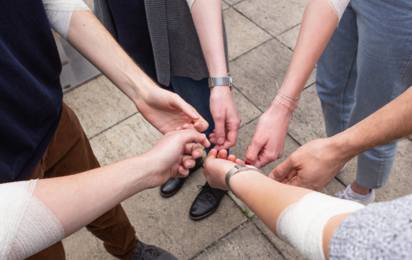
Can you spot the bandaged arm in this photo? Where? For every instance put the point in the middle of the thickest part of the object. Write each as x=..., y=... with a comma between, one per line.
x=303, y=218
x=37, y=214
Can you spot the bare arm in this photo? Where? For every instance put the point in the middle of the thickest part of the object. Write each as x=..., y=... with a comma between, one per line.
x=207, y=17
x=163, y=109
x=318, y=24
x=266, y=198
x=316, y=163
x=78, y=199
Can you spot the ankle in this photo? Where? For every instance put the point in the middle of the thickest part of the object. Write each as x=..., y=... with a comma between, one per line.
x=359, y=189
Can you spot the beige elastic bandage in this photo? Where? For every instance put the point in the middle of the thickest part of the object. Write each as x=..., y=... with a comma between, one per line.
x=60, y=13
x=27, y=226
x=301, y=224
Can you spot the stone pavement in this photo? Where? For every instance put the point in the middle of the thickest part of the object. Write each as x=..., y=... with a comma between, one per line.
x=262, y=36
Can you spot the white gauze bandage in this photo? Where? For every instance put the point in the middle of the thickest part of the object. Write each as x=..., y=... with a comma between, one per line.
x=301, y=224
x=27, y=226
x=339, y=6
x=60, y=13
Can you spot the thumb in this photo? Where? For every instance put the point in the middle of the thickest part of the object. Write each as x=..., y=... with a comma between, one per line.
x=252, y=153
x=199, y=122
x=189, y=135
x=283, y=171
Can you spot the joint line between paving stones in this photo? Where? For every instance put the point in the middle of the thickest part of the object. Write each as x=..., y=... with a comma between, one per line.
x=252, y=21
x=257, y=46
x=220, y=239
x=247, y=98
x=110, y=127
x=231, y=5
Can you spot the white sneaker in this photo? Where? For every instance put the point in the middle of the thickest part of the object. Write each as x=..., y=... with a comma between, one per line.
x=343, y=168
x=349, y=194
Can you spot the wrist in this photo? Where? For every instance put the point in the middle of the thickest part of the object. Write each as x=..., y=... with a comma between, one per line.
x=342, y=145
x=278, y=108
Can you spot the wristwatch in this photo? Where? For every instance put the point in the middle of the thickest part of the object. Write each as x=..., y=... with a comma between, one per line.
x=239, y=168
x=220, y=81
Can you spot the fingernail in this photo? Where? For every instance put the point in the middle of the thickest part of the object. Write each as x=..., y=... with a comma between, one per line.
x=248, y=147
x=220, y=140
x=247, y=163
x=194, y=114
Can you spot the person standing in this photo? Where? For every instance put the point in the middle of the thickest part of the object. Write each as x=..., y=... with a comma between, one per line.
x=364, y=63
x=40, y=136
x=180, y=44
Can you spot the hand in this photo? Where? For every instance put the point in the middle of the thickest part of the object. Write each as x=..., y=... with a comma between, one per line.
x=312, y=165
x=174, y=154
x=167, y=111
x=216, y=168
x=225, y=116
x=270, y=134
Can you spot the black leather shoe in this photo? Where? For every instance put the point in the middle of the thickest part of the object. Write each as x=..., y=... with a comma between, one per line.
x=206, y=202
x=173, y=185
x=147, y=252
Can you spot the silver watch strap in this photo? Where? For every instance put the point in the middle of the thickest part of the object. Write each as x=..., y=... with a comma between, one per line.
x=239, y=168
x=220, y=81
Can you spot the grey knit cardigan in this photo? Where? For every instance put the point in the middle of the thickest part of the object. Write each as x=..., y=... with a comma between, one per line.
x=176, y=46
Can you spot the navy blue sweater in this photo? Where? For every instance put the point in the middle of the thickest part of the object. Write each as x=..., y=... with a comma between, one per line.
x=30, y=91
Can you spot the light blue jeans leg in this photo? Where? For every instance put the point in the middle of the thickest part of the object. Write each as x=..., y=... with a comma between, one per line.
x=381, y=70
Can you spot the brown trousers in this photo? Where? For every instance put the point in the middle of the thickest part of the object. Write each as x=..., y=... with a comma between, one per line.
x=69, y=152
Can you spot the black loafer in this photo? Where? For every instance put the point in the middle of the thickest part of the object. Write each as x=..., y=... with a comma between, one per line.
x=173, y=185
x=147, y=252
x=206, y=202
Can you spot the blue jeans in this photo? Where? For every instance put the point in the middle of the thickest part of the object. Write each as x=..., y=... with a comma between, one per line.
x=194, y=92
x=367, y=63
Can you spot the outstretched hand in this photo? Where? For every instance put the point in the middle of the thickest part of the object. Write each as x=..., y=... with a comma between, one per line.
x=311, y=166
x=167, y=111
x=225, y=117
x=216, y=167
x=270, y=135
x=174, y=154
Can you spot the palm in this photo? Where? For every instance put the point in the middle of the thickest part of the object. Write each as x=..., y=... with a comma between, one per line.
x=167, y=111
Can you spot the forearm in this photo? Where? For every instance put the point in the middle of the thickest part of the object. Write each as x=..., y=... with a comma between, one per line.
x=318, y=24
x=94, y=42
x=304, y=219
x=207, y=17
x=265, y=197
x=391, y=122
x=79, y=199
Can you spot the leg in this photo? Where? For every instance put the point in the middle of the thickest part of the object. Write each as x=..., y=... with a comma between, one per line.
x=336, y=74
x=384, y=71
x=68, y=153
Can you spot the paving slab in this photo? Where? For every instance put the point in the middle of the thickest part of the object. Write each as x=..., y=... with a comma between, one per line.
x=290, y=37
x=224, y=5
x=131, y=137
x=99, y=105
x=259, y=69
x=307, y=121
x=232, y=2
x=275, y=17
x=83, y=245
x=242, y=34
x=246, y=109
x=246, y=242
